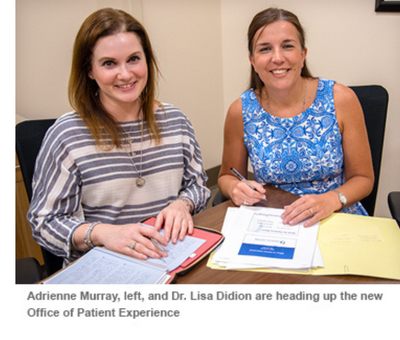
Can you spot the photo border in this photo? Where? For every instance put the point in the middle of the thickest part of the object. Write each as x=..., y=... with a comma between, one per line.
x=387, y=6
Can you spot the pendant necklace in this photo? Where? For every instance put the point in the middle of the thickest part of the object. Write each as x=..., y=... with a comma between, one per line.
x=140, y=181
x=304, y=100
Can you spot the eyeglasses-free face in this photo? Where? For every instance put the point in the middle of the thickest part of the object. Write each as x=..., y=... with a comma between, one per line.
x=119, y=67
x=278, y=56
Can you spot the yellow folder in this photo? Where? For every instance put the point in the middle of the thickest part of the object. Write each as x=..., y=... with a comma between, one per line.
x=356, y=245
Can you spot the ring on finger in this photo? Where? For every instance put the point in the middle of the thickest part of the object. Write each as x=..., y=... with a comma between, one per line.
x=311, y=212
x=245, y=203
x=132, y=245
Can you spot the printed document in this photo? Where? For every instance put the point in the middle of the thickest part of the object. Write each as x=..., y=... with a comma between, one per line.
x=255, y=237
x=102, y=266
x=178, y=252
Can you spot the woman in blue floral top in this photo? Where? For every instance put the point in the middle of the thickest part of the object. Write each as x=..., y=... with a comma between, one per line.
x=302, y=134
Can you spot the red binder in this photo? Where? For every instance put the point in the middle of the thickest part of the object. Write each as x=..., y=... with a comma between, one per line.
x=213, y=239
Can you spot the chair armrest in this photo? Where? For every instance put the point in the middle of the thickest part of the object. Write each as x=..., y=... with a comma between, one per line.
x=394, y=205
x=28, y=271
x=218, y=199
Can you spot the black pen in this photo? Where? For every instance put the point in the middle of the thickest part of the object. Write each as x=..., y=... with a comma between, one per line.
x=238, y=175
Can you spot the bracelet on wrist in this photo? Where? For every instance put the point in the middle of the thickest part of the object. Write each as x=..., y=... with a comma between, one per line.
x=87, y=239
x=187, y=202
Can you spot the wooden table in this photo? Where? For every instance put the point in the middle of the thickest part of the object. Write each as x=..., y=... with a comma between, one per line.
x=213, y=218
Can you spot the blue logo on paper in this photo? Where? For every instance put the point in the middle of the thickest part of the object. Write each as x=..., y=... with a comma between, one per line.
x=266, y=251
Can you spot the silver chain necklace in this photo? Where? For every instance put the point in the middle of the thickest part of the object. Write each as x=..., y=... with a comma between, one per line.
x=304, y=100
x=140, y=181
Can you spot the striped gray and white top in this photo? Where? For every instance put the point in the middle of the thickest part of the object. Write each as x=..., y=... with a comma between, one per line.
x=76, y=182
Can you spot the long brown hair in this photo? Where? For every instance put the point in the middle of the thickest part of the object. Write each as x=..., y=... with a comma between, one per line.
x=264, y=18
x=83, y=91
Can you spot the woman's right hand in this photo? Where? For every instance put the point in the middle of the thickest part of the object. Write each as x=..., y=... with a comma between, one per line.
x=134, y=240
x=242, y=194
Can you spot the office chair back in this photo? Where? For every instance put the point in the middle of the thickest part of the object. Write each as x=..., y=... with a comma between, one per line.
x=29, y=136
x=374, y=101
x=394, y=205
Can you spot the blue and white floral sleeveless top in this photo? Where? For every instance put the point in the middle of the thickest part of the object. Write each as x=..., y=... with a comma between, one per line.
x=301, y=154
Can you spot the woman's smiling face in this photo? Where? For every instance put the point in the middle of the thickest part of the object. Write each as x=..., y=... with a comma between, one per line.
x=278, y=56
x=119, y=67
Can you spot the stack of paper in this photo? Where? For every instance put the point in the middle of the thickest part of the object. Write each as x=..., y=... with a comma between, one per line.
x=255, y=237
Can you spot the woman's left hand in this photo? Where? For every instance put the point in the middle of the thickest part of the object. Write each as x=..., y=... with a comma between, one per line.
x=311, y=209
x=177, y=221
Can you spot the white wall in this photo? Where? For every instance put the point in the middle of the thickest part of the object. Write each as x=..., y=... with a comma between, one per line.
x=187, y=38
x=201, y=49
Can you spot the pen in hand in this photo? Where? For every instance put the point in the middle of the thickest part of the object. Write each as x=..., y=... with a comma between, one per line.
x=153, y=240
x=239, y=176
x=157, y=244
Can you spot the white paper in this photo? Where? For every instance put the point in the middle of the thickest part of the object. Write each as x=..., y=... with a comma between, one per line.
x=178, y=252
x=101, y=266
x=255, y=237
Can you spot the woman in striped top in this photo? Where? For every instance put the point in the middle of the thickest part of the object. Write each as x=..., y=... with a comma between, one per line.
x=120, y=157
